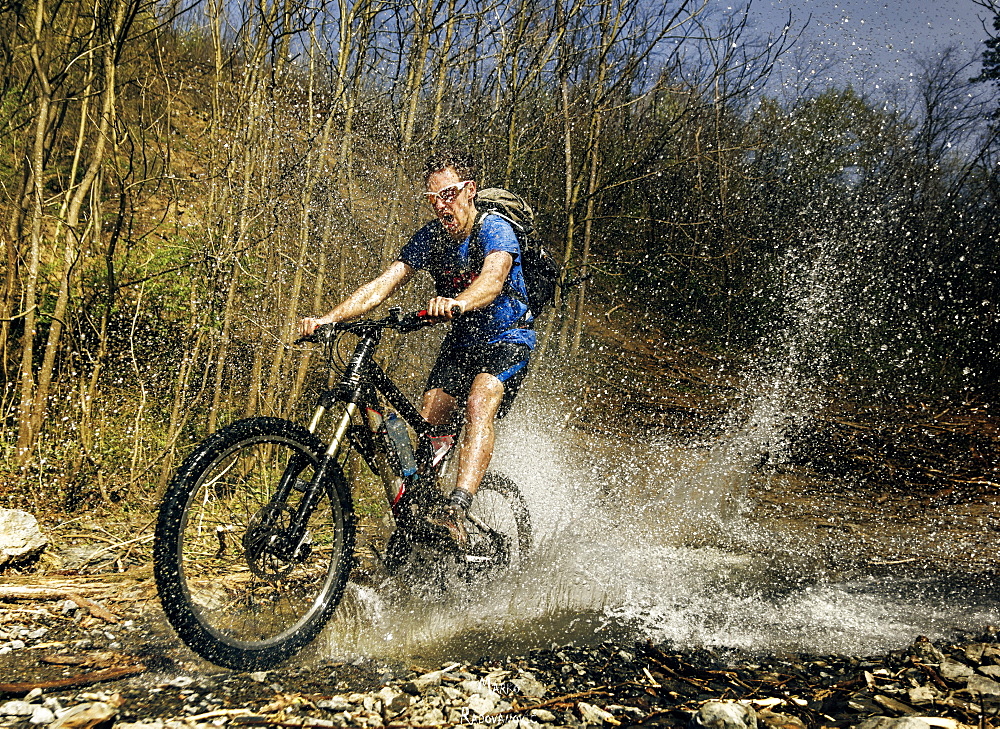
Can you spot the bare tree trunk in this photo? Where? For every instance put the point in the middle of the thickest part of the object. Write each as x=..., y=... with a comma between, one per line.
x=72, y=219
x=26, y=420
x=222, y=349
x=569, y=201
x=444, y=57
x=317, y=304
x=588, y=225
x=423, y=24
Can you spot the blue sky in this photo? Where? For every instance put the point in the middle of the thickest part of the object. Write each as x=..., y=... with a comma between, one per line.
x=872, y=44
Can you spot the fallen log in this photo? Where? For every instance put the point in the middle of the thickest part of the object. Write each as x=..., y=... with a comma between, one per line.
x=83, y=679
x=14, y=592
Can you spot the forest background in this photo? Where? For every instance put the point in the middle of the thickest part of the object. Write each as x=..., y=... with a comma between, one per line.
x=182, y=181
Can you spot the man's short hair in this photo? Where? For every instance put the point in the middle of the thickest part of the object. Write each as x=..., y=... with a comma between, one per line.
x=464, y=164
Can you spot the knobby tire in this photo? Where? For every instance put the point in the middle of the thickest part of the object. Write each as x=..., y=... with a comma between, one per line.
x=500, y=507
x=229, y=596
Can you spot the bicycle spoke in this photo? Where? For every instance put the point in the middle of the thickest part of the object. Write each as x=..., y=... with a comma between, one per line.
x=235, y=567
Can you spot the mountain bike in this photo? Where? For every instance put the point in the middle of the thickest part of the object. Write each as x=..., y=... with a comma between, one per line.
x=255, y=539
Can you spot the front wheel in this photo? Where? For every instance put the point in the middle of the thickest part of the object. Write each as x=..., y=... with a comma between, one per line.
x=229, y=584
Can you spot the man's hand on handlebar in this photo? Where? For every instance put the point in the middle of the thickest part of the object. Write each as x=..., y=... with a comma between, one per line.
x=309, y=325
x=445, y=309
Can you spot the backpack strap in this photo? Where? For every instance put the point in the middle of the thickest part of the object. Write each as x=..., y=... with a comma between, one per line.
x=508, y=288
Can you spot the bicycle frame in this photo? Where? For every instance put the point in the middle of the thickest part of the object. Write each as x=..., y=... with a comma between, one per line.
x=361, y=380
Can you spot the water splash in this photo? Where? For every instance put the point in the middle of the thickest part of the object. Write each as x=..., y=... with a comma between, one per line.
x=634, y=542
x=656, y=539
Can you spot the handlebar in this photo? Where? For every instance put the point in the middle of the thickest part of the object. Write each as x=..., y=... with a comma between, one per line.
x=396, y=319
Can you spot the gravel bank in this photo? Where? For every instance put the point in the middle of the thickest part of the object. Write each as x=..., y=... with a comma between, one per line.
x=160, y=685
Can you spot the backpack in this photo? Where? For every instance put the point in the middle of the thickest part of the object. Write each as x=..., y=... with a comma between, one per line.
x=541, y=274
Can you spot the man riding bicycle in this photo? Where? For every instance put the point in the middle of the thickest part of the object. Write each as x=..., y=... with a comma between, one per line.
x=475, y=261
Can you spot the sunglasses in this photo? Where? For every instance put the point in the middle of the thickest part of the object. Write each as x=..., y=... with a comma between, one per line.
x=446, y=194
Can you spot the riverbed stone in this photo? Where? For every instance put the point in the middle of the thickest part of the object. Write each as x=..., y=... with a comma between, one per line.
x=394, y=702
x=892, y=722
x=42, y=715
x=591, y=714
x=542, y=715
x=21, y=539
x=85, y=716
x=724, y=715
x=481, y=704
x=954, y=671
x=427, y=716
x=335, y=703
x=920, y=695
x=777, y=720
x=980, y=685
x=16, y=708
x=974, y=652
x=420, y=684
x=479, y=688
x=926, y=651
x=529, y=686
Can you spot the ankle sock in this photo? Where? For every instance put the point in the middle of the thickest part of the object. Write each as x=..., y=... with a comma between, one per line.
x=461, y=498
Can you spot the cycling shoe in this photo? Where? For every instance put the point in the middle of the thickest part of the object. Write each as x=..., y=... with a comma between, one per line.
x=450, y=519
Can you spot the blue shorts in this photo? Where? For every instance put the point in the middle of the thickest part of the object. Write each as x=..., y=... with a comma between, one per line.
x=457, y=367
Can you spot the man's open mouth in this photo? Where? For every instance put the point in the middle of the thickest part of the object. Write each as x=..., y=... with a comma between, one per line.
x=447, y=219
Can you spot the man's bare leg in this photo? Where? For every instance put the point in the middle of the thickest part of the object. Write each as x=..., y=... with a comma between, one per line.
x=480, y=431
x=478, y=437
x=437, y=406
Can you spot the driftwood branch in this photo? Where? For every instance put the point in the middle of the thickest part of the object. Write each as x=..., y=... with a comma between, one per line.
x=15, y=592
x=83, y=679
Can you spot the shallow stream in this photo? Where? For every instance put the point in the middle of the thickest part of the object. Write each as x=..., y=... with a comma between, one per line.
x=669, y=543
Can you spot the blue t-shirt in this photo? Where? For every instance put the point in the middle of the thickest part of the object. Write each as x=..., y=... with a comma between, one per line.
x=454, y=265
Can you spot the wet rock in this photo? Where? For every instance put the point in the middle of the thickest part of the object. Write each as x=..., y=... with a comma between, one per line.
x=420, y=684
x=481, y=704
x=42, y=715
x=724, y=715
x=452, y=693
x=542, y=715
x=974, y=652
x=889, y=722
x=920, y=695
x=429, y=716
x=479, y=688
x=887, y=702
x=33, y=695
x=21, y=539
x=86, y=716
x=591, y=714
x=528, y=686
x=335, y=703
x=775, y=720
x=926, y=651
x=982, y=686
x=993, y=671
x=954, y=671
x=16, y=708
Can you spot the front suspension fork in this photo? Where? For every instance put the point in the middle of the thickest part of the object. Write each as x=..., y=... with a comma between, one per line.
x=292, y=545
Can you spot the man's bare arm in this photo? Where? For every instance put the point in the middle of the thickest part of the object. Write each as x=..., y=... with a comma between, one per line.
x=365, y=298
x=481, y=292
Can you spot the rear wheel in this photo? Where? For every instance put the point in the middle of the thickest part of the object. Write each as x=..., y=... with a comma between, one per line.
x=232, y=584
x=499, y=527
